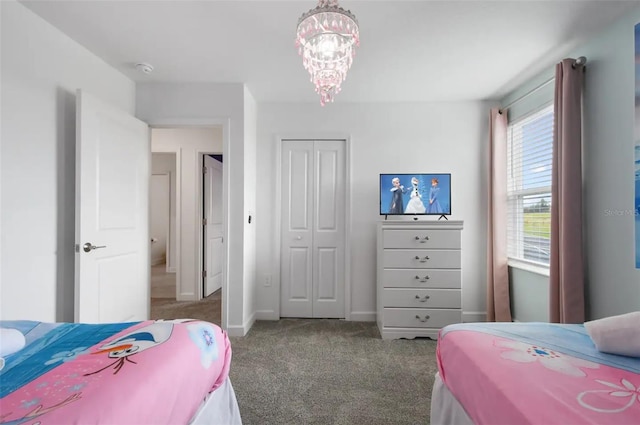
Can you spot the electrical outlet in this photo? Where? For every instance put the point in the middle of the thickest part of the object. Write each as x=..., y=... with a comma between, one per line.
x=267, y=280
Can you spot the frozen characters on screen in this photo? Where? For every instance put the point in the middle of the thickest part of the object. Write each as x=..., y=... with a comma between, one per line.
x=434, y=206
x=397, y=203
x=415, y=205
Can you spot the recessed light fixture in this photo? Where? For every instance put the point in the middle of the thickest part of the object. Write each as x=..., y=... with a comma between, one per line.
x=144, y=67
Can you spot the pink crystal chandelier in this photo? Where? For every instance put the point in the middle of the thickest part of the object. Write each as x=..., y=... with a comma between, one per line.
x=326, y=39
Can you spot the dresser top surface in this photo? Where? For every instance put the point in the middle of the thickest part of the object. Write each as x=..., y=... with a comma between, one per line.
x=423, y=224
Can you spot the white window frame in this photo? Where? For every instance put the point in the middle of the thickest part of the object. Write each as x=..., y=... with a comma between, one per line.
x=514, y=172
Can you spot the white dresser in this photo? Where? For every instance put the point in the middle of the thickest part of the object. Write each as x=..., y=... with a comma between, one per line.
x=419, y=277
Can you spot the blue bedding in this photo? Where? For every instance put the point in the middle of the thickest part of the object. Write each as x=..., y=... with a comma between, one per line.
x=572, y=340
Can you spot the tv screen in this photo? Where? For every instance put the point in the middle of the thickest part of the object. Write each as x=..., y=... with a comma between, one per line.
x=415, y=194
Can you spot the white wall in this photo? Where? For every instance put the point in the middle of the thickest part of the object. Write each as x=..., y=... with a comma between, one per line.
x=250, y=135
x=385, y=138
x=613, y=282
x=170, y=103
x=186, y=143
x=165, y=163
x=40, y=72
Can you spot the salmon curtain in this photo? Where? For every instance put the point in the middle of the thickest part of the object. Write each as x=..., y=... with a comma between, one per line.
x=498, y=301
x=566, y=269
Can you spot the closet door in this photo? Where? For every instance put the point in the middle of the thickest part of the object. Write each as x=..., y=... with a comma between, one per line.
x=313, y=229
x=328, y=229
x=296, y=266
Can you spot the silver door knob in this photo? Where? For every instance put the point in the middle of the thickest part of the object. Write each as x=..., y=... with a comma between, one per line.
x=88, y=247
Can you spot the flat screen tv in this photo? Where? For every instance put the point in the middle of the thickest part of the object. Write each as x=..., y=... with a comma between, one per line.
x=415, y=194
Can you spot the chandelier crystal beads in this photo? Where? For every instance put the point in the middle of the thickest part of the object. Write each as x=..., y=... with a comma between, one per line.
x=326, y=39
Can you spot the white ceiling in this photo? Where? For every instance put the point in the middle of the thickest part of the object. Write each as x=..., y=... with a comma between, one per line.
x=410, y=50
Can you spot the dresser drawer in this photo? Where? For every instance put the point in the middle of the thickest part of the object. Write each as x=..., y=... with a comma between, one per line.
x=428, y=278
x=421, y=259
x=422, y=238
x=422, y=298
x=420, y=317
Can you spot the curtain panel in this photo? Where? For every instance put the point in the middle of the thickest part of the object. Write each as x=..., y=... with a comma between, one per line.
x=498, y=301
x=566, y=269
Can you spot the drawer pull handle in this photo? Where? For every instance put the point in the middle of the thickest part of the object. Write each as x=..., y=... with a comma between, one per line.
x=426, y=317
x=417, y=258
x=417, y=238
x=423, y=300
x=424, y=260
x=426, y=238
x=417, y=277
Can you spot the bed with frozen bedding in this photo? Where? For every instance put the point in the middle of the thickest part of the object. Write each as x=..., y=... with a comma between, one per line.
x=149, y=372
x=531, y=373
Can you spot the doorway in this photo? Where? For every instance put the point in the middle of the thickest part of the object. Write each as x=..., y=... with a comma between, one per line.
x=187, y=147
x=162, y=207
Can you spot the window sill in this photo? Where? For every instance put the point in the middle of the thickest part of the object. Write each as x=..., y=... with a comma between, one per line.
x=529, y=266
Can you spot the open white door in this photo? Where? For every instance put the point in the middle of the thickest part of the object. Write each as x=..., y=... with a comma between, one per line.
x=213, y=225
x=112, y=214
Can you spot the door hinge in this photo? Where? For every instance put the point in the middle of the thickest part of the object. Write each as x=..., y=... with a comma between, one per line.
x=204, y=273
x=204, y=170
x=204, y=221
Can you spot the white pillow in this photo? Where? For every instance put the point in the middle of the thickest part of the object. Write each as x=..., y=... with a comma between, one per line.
x=616, y=334
x=11, y=340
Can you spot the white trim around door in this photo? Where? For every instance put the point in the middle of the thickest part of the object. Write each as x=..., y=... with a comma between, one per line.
x=276, y=246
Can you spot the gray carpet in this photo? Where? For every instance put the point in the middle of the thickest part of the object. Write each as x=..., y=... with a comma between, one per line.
x=320, y=371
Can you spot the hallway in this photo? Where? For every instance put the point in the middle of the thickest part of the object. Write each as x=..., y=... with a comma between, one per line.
x=163, y=284
x=165, y=306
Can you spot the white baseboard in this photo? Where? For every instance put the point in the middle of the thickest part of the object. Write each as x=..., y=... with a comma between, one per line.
x=356, y=316
x=187, y=297
x=474, y=316
x=241, y=330
x=363, y=316
x=267, y=315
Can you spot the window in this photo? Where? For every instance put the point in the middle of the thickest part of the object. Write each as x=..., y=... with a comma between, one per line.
x=529, y=160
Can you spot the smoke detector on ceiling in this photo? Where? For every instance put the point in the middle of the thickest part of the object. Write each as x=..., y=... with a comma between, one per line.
x=144, y=67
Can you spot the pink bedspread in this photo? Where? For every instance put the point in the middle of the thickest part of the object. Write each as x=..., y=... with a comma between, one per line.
x=513, y=378
x=148, y=372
